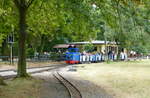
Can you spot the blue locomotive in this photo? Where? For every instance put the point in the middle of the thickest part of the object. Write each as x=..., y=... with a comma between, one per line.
x=72, y=56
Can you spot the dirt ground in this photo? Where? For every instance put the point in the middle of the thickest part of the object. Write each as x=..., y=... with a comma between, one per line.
x=87, y=88
x=47, y=86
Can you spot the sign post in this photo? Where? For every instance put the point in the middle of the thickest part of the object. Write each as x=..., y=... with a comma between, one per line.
x=11, y=42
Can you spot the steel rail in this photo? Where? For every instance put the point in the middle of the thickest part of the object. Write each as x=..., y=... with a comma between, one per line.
x=56, y=77
x=73, y=90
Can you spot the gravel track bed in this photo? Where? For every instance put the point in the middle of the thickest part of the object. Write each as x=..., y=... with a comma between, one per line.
x=51, y=87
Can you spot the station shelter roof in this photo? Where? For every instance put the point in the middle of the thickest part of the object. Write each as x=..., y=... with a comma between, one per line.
x=98, y=42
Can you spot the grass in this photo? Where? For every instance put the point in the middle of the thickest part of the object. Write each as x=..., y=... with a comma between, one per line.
x=122, y=79
x=21, y=88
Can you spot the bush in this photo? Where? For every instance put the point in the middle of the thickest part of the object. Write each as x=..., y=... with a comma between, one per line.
x=88, y=47
x=30, y=51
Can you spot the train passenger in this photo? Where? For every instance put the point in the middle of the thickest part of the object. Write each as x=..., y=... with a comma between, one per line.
x=81, y=54
x=83, y=57
x=113, y=55
x=87, y=57
x=98, y=57
x=102, y=56
x=90, y=57
x=125, y=56
x=110, y=55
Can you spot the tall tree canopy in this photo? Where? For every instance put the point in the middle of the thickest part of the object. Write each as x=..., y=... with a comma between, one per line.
x=123, y=21
x=44, y=20
x=42, y=23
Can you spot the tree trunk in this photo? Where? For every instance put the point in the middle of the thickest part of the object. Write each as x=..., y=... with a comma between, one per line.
x=22, y=42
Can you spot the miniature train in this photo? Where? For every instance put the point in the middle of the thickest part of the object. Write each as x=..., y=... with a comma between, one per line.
x=73, y=56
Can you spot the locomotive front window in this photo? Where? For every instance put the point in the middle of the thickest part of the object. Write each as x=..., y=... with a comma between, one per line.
x=72, y=50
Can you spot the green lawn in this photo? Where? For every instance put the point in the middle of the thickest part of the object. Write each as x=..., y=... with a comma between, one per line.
x=122, y=79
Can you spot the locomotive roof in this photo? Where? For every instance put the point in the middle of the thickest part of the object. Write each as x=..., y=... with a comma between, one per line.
x=62, y=46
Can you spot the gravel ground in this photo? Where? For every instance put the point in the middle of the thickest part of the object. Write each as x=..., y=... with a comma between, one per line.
x=51, y=88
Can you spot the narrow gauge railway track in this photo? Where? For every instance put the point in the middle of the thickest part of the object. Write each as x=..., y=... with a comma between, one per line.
x=73, y=91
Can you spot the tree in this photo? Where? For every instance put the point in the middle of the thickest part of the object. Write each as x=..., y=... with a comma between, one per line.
x=22, y=6
x=123, y=21
x=3, y=13
x=50, y=26
x=3, y=25
x=59, y=23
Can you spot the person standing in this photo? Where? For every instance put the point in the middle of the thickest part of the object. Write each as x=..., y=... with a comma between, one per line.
x=122, y=57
